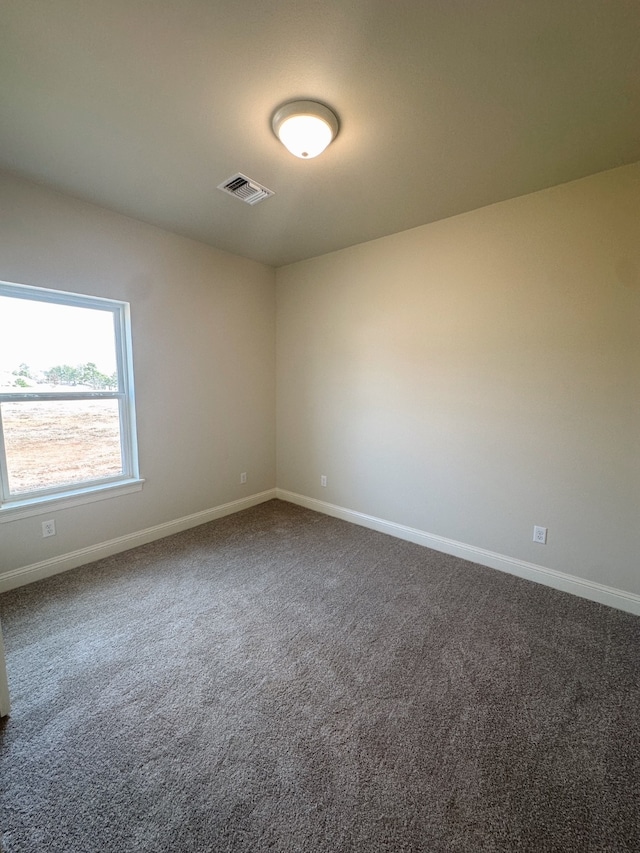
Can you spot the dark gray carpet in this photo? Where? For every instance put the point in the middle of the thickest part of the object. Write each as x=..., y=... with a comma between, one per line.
x=282, y=681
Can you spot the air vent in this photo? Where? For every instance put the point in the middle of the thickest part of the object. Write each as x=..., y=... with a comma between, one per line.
x=245, y=189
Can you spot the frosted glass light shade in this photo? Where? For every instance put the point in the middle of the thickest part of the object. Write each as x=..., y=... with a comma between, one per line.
x=305, y=128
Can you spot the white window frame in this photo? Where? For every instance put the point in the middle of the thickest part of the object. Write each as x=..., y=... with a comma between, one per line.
x=42, y=500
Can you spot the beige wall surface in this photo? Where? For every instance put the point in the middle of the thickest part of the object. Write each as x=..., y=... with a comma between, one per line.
x=203, y=325
x=469, y=378
x=477, y=376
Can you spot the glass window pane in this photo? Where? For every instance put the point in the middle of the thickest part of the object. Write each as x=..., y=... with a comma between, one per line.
x=60, y=443
x=46, y=346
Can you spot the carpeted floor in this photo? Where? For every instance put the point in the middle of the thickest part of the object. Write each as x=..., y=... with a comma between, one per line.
x=282, y=681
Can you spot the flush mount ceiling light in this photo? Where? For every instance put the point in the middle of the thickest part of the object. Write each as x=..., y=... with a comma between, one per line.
x=305, y=128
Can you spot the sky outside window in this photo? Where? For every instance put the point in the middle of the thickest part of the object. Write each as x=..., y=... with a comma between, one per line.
x=43, y=335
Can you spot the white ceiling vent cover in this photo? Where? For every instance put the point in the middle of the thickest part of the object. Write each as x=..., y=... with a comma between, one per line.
x=244, y=188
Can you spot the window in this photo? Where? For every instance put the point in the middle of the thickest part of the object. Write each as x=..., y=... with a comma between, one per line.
x=67, y=419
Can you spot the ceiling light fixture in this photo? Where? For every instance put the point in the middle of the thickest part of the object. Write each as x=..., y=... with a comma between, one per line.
x=305, y=128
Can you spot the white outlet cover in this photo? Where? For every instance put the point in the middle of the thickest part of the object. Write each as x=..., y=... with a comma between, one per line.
x=540, y=535
x=48, y=528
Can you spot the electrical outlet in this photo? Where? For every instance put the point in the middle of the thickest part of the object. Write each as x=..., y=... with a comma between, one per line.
x=540, y=535
x=243, y=478
x=48, y=528
x=323, y=480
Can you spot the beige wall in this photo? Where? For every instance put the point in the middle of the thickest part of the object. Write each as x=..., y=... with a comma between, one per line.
x=468, y=378
x=203, y=325
x=477, y=376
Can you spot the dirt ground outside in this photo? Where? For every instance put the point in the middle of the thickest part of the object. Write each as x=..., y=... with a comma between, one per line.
x=62, y=442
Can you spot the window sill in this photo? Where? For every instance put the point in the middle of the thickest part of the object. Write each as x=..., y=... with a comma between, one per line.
x=12, y=511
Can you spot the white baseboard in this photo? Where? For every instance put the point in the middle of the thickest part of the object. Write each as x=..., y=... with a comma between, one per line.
x=55, y=565
x=600, y=593
x=591, y=590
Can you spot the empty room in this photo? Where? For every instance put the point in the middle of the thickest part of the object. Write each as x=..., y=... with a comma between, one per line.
x=319, y=426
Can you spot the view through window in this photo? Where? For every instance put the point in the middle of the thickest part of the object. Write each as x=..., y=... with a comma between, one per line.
x=66, y=395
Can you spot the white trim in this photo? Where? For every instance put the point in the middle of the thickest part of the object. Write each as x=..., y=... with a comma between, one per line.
x=55, y=565
x=628, y=601
x=591, y=590
x=65, y=500
x=120, y=315
x=59, y=297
